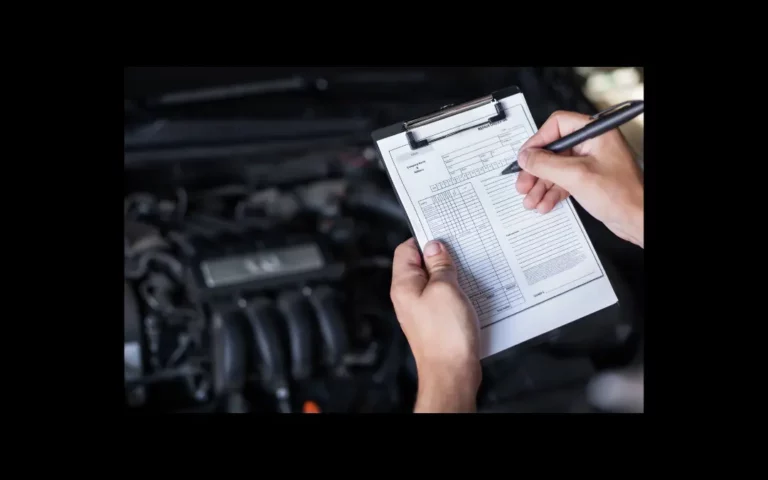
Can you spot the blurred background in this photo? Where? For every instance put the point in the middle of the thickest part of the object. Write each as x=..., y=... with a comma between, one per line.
x=259, y=231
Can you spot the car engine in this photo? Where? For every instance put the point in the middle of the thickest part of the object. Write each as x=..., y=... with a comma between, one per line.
x=259, y=232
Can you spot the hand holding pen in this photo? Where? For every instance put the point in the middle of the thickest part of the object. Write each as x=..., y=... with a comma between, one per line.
x=599, y=170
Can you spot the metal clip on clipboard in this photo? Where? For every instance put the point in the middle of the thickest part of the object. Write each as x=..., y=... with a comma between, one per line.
x=449, y=111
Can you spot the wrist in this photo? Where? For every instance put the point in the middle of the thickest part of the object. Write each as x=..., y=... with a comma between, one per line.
x=448, y=390
x=636, y=224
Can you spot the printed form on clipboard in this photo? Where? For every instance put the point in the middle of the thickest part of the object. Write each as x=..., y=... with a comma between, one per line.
x=525, y=273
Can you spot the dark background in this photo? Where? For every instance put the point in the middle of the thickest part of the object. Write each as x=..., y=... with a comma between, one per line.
x=201, y=128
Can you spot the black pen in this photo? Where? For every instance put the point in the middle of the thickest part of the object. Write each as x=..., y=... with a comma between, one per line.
x=608, y=119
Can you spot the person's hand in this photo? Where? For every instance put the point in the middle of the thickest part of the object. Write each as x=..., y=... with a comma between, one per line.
x=441, y=327
x=600, y=173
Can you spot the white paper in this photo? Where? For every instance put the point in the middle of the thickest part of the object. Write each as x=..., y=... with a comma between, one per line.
x=526, y=273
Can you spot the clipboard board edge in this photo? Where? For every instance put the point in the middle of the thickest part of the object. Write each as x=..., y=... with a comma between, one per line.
x=395, y=128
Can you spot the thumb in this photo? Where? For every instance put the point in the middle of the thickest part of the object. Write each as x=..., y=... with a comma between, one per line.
x=439, y=263
x=559, y=169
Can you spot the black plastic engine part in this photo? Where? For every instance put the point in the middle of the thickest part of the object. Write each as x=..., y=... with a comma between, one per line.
x=298, y=320
x=410, y=366
x=269, y=352
x=606, y=331
x=332, y=328
x=229, y=353
x=140, y=237
x=392, y=360
x=535, y=372
x=565, y=400
x=599, y=331
x=374, y=200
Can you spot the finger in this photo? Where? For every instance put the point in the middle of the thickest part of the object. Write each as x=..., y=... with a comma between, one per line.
x=535, y=195
x=525, y=182
x=408, y=276
x=558, y=169
x=439, y=263
x=553, y=196
x=524, y=186
x=558, y=125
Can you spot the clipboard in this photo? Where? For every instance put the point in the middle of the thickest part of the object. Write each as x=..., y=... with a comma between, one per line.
x=409, y=126
x=525, y=273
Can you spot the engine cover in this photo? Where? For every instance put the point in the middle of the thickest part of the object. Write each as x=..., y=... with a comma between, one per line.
x=261, y=265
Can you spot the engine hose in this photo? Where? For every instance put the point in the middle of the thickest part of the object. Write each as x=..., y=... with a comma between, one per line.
x=269, y=351
x=140, y=237
x=332, y=328
x=392, y=356
x=138, y=266
x=156, y=292
x=298, y=318
x=229, y=354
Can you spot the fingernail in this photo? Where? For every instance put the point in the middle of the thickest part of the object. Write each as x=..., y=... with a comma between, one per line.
x=522, y=157
x=432, y=248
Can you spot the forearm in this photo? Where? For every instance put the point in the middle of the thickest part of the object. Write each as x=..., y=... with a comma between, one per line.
x=449, y=392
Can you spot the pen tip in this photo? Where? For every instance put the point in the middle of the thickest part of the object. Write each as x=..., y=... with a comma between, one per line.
x=513, y=168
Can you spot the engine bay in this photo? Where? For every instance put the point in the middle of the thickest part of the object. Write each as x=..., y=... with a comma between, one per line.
x=259, y=281
x=272, y=289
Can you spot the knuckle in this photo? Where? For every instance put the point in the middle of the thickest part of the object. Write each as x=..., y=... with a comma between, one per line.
x=557, y=114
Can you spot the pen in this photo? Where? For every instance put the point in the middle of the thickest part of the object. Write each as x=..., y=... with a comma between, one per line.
x=608, y=119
